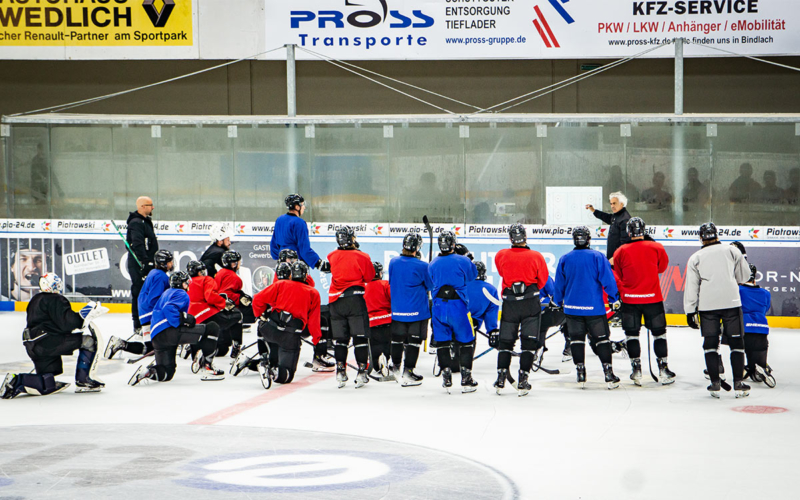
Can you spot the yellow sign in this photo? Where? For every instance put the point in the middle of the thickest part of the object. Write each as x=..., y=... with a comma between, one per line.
x=93, y=23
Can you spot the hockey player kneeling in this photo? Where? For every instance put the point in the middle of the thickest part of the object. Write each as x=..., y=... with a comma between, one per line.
x=287, y=308
x=208, y=306
x=173, y=326
x=524, y=272
x=713, y=274
x=452, y=325
x=55, y=330
x=351, y=270
x=581, y=277
x=229, y=285
x=636, y=267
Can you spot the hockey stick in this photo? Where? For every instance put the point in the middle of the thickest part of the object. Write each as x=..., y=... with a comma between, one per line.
x=491, y=298
x=127, y=245
x=649, y=360
x=143, y=356
x=430, y=256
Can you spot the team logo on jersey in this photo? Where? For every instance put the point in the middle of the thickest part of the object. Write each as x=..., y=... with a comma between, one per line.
x=754, y=233
x=378, y=230
x=668, y=233
x=45, y=226
x=601, y=232
x=240, y=229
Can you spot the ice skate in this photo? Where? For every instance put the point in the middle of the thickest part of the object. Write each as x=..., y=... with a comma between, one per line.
x=320, y=364
x=566, y=355
x=265, y=374
x=619, y=346
x=468, y=384
x=410, y=378
x=769, y=380
x=7, y=390
x=636, y=371
x=115, y=344
x=185, y=351
x=341, y=374
x=665, y=375
x=209, y=372
x=361, y=377
x=500, y=383
x=714, y=389
x=741, y=389
x=447, y=379
x=236, y=348
x=611, y=380
x=580, y=369
x=88, y=385
x=142, y=374
x=197, y=361
x=240, y=363
x=523, y=386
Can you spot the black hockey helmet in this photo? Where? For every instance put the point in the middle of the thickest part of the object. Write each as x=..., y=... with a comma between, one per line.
x=481, y=270
x=636, y=227
x=412, y=242
x=708, y=231
x=581, y=236
x=299, y=271
x=196, y=268
x=378, y=270
x=283, y=271
x=178, y=278
x=447, y=241
x=517, y=234
x=286, y=254
x=293, y=199
x=753, y=273
x=345, y=237
x=162, y=258
x=738, y=245
x=229, y=258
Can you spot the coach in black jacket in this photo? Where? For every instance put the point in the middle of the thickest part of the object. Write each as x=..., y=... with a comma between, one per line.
x=618, y=220
x=142, y=239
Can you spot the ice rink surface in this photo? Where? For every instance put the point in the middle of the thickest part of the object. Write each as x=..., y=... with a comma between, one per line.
x=308, y=439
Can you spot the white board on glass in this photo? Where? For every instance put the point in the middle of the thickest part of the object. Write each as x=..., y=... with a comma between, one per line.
x=566, y=205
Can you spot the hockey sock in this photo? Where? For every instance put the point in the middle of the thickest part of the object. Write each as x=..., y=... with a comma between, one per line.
x=165, y=373
x=321, y=349
x=760, y=358
x=262, y=347
x=526, y=361
x=397, y=353
x=412, y=355
x=340, y=352
x=443, y=354
x=361, y=350
x=660, y=344
x=633, y=345
x=274, y=352
x=604, y=351
x=503, y=359
x=712, y=365
x=578, y=348
x=134, y=348
x=465, y=352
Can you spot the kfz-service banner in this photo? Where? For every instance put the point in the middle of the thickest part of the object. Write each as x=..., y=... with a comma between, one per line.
x=530, y=29
x=96, y=23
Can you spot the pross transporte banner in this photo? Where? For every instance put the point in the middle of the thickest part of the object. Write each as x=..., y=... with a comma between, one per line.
x=530, y=29
x=95, y=23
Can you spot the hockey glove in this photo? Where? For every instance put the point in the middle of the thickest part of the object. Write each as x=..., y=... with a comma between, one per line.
x=229, y=305
x=494, y=338
x=691, y=319
x=553, y=306
x=188, y=320
x=616, y=305
x=324, y=266
x=148, y=266
x=245, y=300
x=463, y=250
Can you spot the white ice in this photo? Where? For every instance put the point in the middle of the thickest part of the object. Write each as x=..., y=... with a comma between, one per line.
x=670, y=442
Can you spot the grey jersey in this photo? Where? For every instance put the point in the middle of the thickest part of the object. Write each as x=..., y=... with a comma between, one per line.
x=713, y=275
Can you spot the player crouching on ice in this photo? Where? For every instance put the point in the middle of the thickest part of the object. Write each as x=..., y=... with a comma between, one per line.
x=55, y=330
x=450, y=274
x=581, y=277
x=713, y=274
x=756, y=301
x=172, y=326
x=287, y=309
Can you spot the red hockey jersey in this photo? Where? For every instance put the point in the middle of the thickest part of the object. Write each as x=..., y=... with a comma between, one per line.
x=521, y=264
x=294, y=297
x=205, y=300
x=379, y=303
x=229, y=283
x=348, y=268
x=636, y=267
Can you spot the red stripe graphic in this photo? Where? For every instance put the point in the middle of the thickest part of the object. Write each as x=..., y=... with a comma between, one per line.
x=546, y=26
x=541, y=33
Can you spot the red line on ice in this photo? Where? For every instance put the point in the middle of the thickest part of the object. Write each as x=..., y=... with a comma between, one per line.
x=277, y=392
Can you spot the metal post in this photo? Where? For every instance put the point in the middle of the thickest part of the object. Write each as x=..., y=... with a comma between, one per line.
x=679, y=76
x=678, y=144
x=291, y=82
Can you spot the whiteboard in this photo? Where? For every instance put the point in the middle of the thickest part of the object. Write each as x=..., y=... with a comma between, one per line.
x=566, y=205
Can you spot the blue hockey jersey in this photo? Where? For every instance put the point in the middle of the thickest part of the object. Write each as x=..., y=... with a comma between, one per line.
x=157, y=283
x=546, y=293
x=454, y=270
x=292, y=232
x=409, y=283
x=581, y=277
x=483, y=311
x=755, y=303
x=168, y=309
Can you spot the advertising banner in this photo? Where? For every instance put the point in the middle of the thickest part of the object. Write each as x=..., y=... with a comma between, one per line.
x=93, y=262
x=530, y=29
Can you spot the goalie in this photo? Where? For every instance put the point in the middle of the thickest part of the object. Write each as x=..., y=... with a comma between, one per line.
x=54, y=330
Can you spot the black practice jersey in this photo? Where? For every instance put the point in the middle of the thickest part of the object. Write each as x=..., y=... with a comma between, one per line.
x=52, y=313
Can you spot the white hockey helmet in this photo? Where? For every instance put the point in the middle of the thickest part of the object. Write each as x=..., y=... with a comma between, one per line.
x=220, y=231
x=51, y=283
